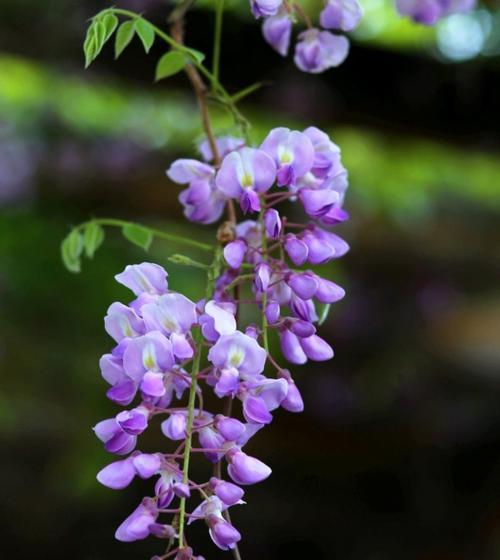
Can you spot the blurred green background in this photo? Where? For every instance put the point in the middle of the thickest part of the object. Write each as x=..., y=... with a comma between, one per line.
x=397, y=454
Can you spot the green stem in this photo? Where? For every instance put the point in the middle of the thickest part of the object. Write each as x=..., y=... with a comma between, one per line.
x=265, y=338
x=212, y=274
x=112, y=222
x=221, y=93
x=219, y=11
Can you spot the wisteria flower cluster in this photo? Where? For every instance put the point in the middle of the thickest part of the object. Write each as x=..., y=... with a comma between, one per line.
x=168, y=346
x=317, y=49
x=320, y=48
x=170, y=352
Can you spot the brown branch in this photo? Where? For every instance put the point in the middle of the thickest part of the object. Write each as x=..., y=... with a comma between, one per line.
x=176, y=21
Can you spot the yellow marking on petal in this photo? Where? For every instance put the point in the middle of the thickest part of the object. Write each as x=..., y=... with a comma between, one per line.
x=236, y=356
x=149, y=357
x=286, y=157
x=247, y=180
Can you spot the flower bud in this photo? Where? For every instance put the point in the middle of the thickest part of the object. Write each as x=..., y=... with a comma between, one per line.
x=244, y=469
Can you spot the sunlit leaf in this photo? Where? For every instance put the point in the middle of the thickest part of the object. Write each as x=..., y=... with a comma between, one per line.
x=138, y=235
x=123, y=37
x=169, y=64
x=146, y=33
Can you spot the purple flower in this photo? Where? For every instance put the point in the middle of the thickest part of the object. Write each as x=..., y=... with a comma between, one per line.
x=304, y=284
x=122, y=322
x=293, y=401
x=210, y=438
x=245, y=173
x=224, y=535
x=240, y=352
x=171, y=313
x=262, y=277
x=230, y=428
x=174, y=427
x=318, y=202
x=327, y=163
x=292, y=151
x=341, y=14
x=227, y=492
x=234, y=253
x=263, y=397
x=244, y=469
x=316, y=51
x=136, y=526
x=316, y=348
x=164, y=487
x=225, y=144
x=119, y=434
x=291, y=347
x=272, y=312
x=144, y=278
x=151, y=352
x=265, y=7
x=328, y=292
x=218, y=319
x=272, y=223
x=277, y=31
x=120, y=474
x=323, y=246
x=296, y=249
x=184, y=171
x=202, y=202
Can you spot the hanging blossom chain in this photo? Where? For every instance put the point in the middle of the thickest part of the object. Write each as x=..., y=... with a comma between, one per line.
x=320, y=48
x=171, y=351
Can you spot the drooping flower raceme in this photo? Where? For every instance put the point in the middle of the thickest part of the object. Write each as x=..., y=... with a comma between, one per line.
x=323, y=47
x=169, y=350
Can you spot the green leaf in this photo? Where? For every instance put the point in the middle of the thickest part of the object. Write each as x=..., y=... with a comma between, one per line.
x=99, y=36
x=324, y=314
x=93, y=236
x=71, y=249
x=89, y=45
x=138, y=235
x=146, y=33
x=169, y=64
x=110, y=22
x=123, y=37
x=197, y=55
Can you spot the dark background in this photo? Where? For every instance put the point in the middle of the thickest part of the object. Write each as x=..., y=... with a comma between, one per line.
x=397, y=453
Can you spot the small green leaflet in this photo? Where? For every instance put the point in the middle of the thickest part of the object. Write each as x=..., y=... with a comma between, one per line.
x=99, y=31
x=124, y=35
x=71, y=250
x=93, y=236
x=324, y=314
x=197, y=55
x=138, y=235
x=169, y=64
x=146, y=33
x=110, y=22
